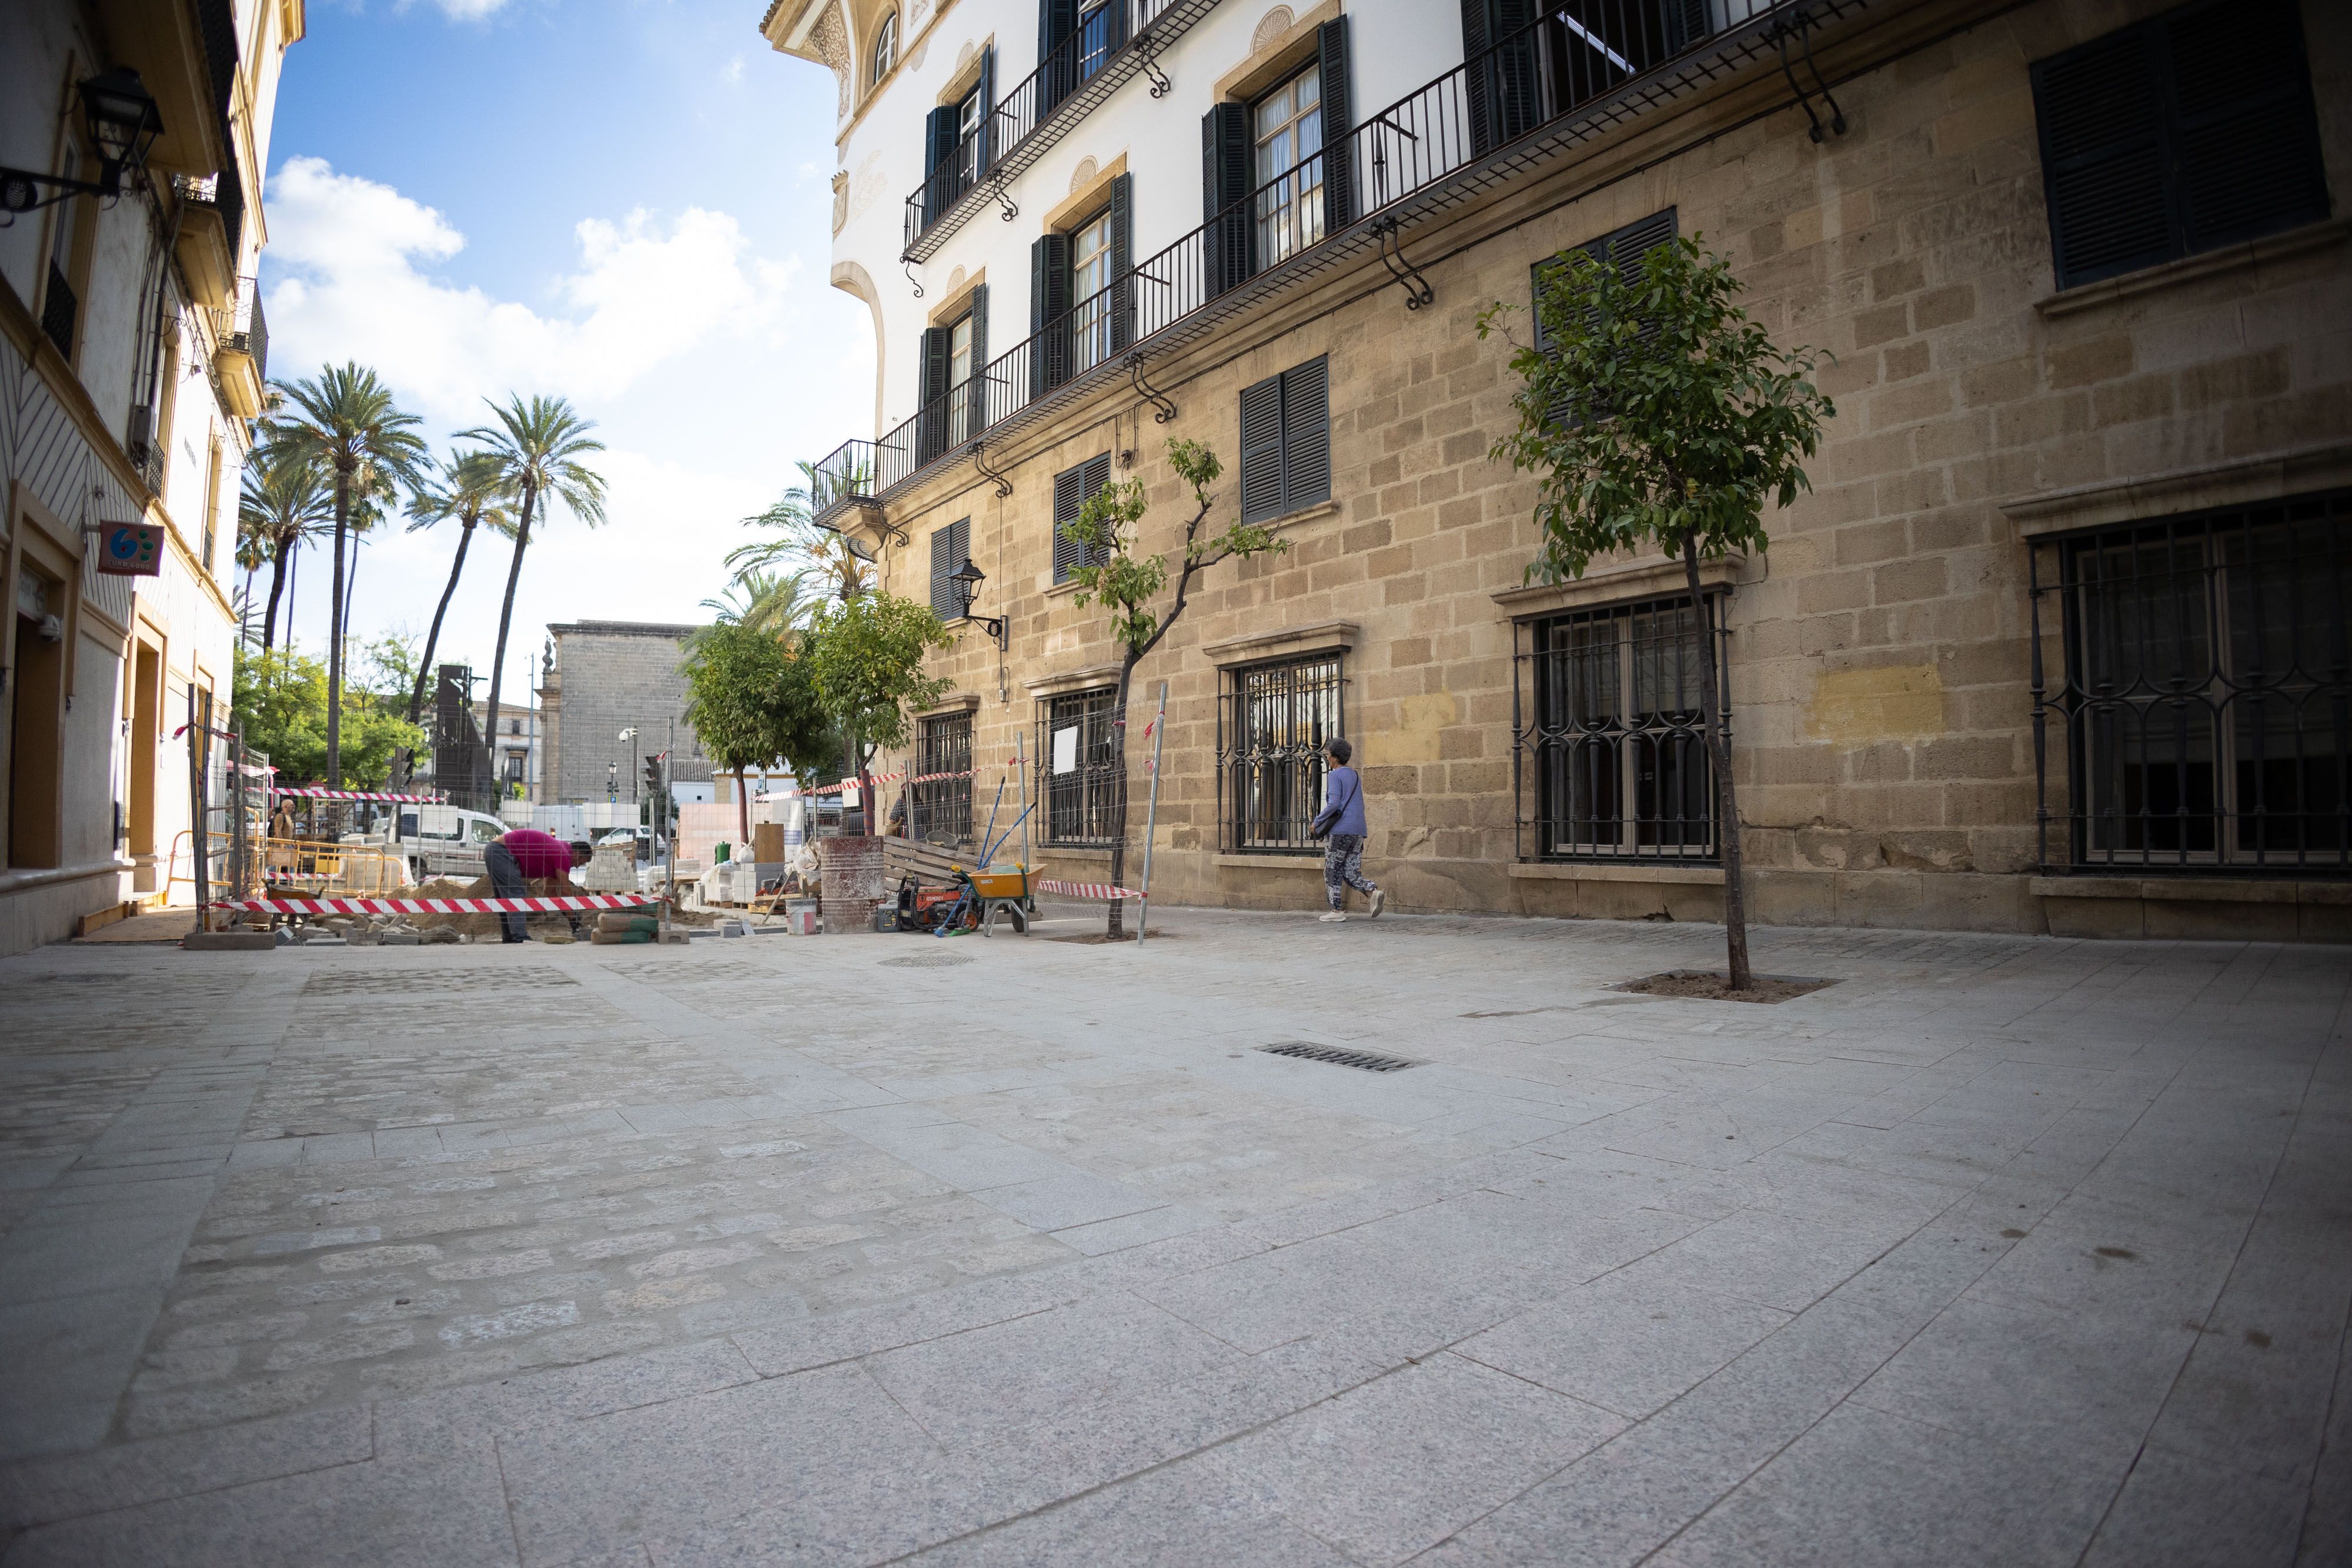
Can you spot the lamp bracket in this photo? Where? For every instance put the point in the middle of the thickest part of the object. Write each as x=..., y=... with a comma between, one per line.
x=1162, y=408
x=979, y=462
x=20, y=190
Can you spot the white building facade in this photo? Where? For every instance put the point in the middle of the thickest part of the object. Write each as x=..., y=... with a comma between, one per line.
x=133, y=369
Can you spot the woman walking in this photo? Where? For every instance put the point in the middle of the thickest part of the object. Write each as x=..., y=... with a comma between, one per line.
x=1342, y=817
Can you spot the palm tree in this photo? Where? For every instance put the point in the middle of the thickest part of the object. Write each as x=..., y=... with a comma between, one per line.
x=285, y=502
x=472, y=487
x=253, y=543
x=344, y=422
x=846, y=568
x=370, y=496
x=538, y=447
x=767, y=602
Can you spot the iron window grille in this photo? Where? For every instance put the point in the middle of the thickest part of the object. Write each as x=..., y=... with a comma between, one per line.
x=2202, y=716
x=2184, y=132
x=1609, y=757
x=1552, y=83
x=940, y=809
x=1271, y=728
x=1081, y=782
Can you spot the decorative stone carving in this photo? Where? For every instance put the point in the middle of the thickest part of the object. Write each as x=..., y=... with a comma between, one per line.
x=1270, y=26
x=840, y=199
x=1084, y=174
x=955, y=280
x=829, y=40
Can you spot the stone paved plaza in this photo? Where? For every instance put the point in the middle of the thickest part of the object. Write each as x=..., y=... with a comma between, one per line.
x=1998, y=1251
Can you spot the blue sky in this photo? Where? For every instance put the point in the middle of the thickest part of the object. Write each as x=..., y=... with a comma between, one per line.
x=625, y=202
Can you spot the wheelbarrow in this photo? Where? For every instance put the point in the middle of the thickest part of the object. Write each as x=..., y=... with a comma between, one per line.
x=998, y=889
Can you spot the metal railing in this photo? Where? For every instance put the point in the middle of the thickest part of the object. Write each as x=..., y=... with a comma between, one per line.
x=2202, y=712
x=240, y=327
x=1608, y=747
x=1545, y=87
x=1113, y=42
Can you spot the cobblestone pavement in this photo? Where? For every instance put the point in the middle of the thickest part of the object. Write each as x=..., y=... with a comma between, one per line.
x=1996, y=1251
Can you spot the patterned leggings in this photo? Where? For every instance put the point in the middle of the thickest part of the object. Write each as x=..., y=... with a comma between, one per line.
x=1343, y=868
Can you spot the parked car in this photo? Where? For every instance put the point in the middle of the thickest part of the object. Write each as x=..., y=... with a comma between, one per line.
x=445, y=840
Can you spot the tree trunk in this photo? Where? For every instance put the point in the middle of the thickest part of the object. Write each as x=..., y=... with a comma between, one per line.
x=506, y=616
x=433, y=635
x=277, y=586
x=1718, y=748
x=351, y=584
x=1115, y=926
x=335, y=635
x=743, y=808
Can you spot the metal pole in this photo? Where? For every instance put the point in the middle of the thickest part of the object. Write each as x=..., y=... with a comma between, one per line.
x=196, y=805
x=1021, y=787
x=1151, y=815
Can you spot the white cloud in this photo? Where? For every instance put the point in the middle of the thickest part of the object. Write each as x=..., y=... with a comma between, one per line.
x=733, y=72
x=469, y=10
x=358, y=281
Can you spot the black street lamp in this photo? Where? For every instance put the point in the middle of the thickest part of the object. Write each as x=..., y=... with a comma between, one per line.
x=967, y=579
x=120, y=116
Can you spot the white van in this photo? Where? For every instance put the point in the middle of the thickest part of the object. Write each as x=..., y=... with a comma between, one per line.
x=445, y=840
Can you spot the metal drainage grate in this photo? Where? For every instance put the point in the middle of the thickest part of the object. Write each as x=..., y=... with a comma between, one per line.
x=420, y=983
x=1339, y=1056
x=925, y=961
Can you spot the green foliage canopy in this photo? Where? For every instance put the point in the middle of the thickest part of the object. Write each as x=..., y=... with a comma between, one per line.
x=865, y=659
x=1123, y=582
x=280, y=705
x=752, y=704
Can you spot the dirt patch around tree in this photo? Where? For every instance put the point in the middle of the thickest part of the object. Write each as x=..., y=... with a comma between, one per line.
x=1715, y=986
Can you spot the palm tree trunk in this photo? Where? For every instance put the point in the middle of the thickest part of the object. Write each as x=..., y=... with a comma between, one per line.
x=506, y=613
x=352, y=582
x=1718, y=750
x=335, y=635
x=432, y=636
x=277, y=586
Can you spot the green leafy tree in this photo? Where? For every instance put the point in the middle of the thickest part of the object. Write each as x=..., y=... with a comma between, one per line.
x=280, y=705
x=1127, y=582
x=776, y=603
x=538, y=446
x=1656, y=414
x=471, y=489
x=345, y=425
x=866, y=660
x=752, y=702
x=282, y=505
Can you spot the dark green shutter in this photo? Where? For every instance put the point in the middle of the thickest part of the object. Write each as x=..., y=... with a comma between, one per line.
x=1620, y=248
x=1339, y=126
x=2249, y=143
x=1685, y=23
x=1262, y=450
x=1501, y=80
x=976, y=392
x=1067, y=499
x=1122, y=262
x=1049, y=313
x=958, y=552
x=931, y=391
x=2103, y=158
x=1306, y=435
x=938, y=162
x=1094, y=473
x=985, y=156
x=1224, y=194
x=1057, y=65
x=943, y=562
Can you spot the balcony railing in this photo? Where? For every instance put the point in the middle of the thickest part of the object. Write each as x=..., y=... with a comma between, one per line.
x=1548, y=87
x=241, y=328
x=1112, y=43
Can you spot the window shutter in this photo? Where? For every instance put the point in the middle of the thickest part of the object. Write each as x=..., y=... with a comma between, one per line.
x=931, y=391
x=1477, y=35
x=958, y=552
x=1057, y=20
x=1122, y=261
x=942, y=590
x=1049, y=313
x=1338, y=144
x=938, y=162
x=2103, y=158
x=986, y=154
x=976, y=393
x=1686, y=23
x=1306, y=435
x=1067, y=499
x=1226, y=183
x=2249, y=143
x=1262, y=450
x=1502, y=82
x=1623, y=249
x=1114, y=28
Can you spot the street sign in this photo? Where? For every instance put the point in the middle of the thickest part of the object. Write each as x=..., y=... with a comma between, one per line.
x=131, y=549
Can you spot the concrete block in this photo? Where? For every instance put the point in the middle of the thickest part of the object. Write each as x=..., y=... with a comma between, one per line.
x=228, y=941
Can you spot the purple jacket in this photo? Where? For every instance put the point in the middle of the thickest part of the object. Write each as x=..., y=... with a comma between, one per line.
x=1343, y=804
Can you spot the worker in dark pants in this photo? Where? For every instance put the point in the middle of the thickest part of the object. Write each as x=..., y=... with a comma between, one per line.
x=525, y=861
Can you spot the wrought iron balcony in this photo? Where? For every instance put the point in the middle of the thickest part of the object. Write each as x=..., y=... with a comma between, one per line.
x=242, y=334
x=1113, y=42
x=1512, y=107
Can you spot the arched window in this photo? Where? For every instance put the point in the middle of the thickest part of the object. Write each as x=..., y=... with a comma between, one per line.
x=886, y=45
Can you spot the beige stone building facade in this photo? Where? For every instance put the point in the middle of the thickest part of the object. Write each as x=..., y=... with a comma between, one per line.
x=2057, y=643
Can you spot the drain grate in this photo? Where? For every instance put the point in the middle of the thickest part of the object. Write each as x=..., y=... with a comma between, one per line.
x=1340, y=1056
x=925, y=961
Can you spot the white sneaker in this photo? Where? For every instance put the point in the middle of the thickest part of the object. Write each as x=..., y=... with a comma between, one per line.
x=1379, y=901
x=1334, y=915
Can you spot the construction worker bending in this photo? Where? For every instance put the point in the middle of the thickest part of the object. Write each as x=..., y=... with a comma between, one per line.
x=525, y=862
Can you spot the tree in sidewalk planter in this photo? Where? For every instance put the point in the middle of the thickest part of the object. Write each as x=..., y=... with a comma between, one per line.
x=753, y=703
x=865, y=661
x=1656, y=414
x=472, y=487
x=345, y=426
x=538, y=447
x=283, y=505
x=1126, y=582
x=280, y=702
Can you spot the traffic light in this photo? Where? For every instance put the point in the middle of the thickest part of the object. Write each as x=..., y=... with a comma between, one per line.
x=653, y=778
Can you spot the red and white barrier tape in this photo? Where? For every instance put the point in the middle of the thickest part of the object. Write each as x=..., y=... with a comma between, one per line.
x=319, y=792
x=880, y=779
x=440, y=905
x=1084, y=889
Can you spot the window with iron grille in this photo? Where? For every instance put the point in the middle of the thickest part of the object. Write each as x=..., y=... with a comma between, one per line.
x=1073, y=488
x=1609, y=755
x=950, y=548
x=2188, y=132
x=2202, y=718
x=1286, y=442
x=1271, y=727
x=940, y=809
x=1077, y=755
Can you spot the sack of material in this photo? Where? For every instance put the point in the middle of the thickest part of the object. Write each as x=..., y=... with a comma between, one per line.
x=612, y=938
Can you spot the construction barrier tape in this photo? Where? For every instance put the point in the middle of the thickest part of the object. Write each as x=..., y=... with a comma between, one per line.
x=1084, y=889
x=439, y=905
x=899, y=778
x=319, y=792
